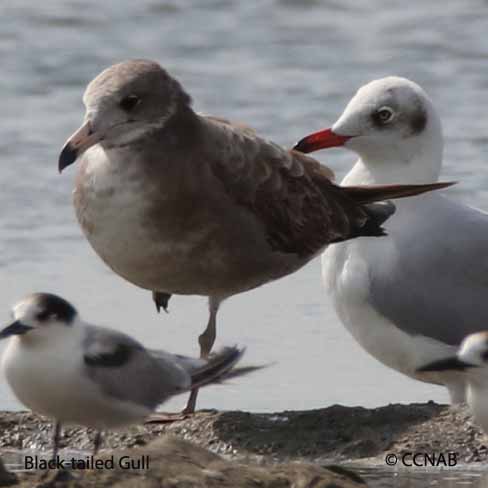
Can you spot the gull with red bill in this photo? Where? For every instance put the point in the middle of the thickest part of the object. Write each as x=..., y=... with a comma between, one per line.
x=180, y=203
x=412, y=297
x=320, y=140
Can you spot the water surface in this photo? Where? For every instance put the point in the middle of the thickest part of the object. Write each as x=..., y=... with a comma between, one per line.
x=287, y=68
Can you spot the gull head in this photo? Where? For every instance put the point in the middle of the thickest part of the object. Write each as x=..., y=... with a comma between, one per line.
x=474, y=349
x=392, y=125
x=39, y=315
x=124, y=104
x=471, y=356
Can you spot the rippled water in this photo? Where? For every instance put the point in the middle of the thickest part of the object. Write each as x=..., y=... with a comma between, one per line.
x=287, y=68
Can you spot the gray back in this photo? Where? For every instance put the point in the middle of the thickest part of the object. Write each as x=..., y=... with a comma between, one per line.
x=124, y=369
x=438, y=291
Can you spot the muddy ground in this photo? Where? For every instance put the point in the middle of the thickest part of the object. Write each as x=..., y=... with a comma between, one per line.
x=334, y=435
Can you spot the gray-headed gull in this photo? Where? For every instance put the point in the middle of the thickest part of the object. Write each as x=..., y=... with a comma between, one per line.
x=411, y=297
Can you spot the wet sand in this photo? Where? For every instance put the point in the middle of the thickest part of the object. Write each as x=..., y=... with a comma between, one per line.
x=315, y=439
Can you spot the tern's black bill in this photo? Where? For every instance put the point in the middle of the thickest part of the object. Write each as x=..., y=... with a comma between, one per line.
x=448, y=364
x=15, y=328
x=67, y=157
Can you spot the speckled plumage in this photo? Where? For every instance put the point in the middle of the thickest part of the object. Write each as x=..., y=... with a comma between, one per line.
x=202, y=206
x=181, y=203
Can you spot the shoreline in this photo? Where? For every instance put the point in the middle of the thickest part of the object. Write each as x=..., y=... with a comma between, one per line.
x=335, y=435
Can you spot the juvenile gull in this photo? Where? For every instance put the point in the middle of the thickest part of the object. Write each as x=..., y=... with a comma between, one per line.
x=413, y=296
x=179, y=203
x=62, y=367
x=471, y=361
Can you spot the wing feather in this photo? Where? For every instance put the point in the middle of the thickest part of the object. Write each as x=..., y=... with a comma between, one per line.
x=436, y=286
x=124, y=369
x=293, y=195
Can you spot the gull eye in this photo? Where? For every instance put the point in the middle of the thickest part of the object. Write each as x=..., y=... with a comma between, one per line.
x=383, y=115
x=45, y=316
x=129, y=102
x=42, y=316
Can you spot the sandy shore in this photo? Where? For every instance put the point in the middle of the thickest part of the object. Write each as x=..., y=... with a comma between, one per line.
x=335, y=435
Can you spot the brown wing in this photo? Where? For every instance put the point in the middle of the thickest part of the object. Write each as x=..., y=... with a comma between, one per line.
x=290, y=193
x=236, y=125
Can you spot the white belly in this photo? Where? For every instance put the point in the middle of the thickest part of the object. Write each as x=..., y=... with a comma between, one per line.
x=345, y=271
x=49, y=383
x=113, y=214
x=179, y=242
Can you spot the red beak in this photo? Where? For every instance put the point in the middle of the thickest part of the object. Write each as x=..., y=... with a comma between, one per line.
x=320, y=140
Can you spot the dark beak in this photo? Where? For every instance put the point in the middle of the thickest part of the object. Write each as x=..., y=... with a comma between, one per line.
x=15, y=328
x=320, y=140
x=68, y=156
x=448, y=364
x=77, y=144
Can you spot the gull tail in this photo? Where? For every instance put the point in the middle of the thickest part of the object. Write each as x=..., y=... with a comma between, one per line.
x=220, y=367
x=377, y=193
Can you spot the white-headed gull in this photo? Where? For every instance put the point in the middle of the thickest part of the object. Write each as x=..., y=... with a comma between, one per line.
x=413, y=296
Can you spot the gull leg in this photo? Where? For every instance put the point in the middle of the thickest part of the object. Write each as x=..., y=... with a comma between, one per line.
x=97, y=442
x=56, y=436
x=206, y=341
x=207, y=338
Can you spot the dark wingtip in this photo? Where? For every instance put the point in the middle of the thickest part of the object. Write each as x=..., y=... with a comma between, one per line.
x=363, y=194
x=446, y=364
x=371, y=229
x=445, y=184
x=377, y=214
x=218, y=366
x=381, y=211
